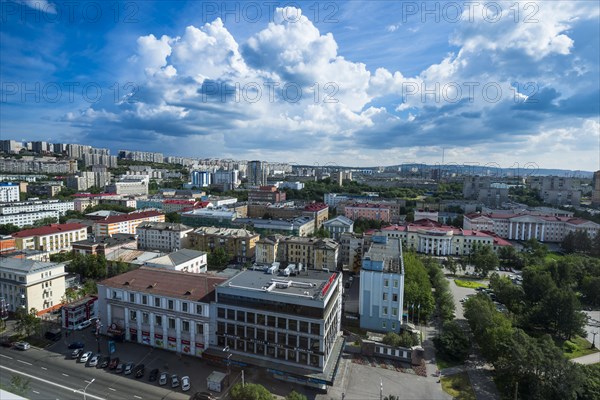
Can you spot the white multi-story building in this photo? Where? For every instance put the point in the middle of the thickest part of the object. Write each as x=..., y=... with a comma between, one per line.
x=130, y=185
x=164, y=236
x=288, y=321
x=381, y=296
x=54, y=238
x=126, y=223
x=185, y=260
x=27, y=218
x=9, y=192
x=38, y=205
x=31, y=284
x=159, y=308
x=337, y=226
x=525, y=226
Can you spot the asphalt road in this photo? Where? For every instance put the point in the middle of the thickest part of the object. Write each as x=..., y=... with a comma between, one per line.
x=55, y=376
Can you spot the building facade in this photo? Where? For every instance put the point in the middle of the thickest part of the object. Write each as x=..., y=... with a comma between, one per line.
x=257, y=172
x=337, y=226
x=164, y=309
x=53, y=238
x=78, y=311
x=239, y=243
x=127, y=223
x=36, y=205
x=164, y=236
x=27, y=218
x=184, y=260
x=9, y=192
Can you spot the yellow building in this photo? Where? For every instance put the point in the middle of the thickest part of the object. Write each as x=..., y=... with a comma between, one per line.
x=53, y=238
x=239, y=243
x=312, y=253
x=126, y=223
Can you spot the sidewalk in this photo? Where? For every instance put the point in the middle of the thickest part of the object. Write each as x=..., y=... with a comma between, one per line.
x=587, y=360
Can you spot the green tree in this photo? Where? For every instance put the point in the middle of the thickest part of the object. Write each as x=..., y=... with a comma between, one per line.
x=173, y=217
x=577, y=242
x=7, y=229
x=450, y=265
x=507, y=292
x=322, y=233
x=250, y=391
x=591, y=382
x=534, y=252
x=295, y=396
x=484, y=259
x=19, y=385
x=45, y=221
x=417, y=288
x=27, y=322
x=590, y=289
x=453, y=343
x=218, y=258
x=391, y=339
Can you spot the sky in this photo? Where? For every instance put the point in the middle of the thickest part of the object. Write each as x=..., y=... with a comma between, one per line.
x=355, y=83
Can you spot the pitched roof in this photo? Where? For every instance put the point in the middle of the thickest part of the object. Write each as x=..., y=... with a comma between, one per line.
x=183, y=285
x=162, y=226
x=49, y=230
x=178, y=257
x=130, y=217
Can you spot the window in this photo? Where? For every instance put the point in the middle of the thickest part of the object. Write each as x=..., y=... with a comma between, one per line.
x=393, y=326
x=199, y=309
x=221, y=312
x=171, y=323
x=384, y=325
x=394, y=297
x=199, y=329
x=281, y=323
x=231, y=314
x=185, y=326
x=132, y=297
x=385, y=310
x=241, y=316
x=292, y=325
x=250, y=317
x=315, y=329
x=145, y=318
x=394, y=311
x=184, y=307
x=304, y=326
x=386, y=282
x=157, y=302
x=384, y=296
x=170, y=304
x=144, y=299
x=395, y=283
x=158, y=320
x=132, y=315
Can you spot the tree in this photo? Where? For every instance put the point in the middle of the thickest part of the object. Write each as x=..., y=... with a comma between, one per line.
x=417, y=288
x=218, y=258
x=484, y=259
x=577, y=242
x=450, y=265
x=19, y=385
x=322, y=233
x=507, y=292
x=295, y=396
x=453, y=343
x=173, y=217
x=7, y=229
x=250, y=391
x=534, y=252
x=391, y=339
x=27, y=322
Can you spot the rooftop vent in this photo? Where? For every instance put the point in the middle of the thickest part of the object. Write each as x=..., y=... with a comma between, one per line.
x=152, y=285
x=127, y=283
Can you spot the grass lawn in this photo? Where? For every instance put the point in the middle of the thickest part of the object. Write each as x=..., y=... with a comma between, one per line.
x=553, y=257
x=469, y=284
x=443, y=363
x=576, y=347
x=458, y=386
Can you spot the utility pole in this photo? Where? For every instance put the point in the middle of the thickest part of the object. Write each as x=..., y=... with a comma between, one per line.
x=380, y=388
x=594, y=339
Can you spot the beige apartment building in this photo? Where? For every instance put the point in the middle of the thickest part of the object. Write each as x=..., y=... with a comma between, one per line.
x=239, y=243
x=28, y=284
x=53, y=238
x=312, y=253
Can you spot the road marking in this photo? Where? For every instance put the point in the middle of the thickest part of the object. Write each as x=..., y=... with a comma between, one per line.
x=35, y=391
x=89, y=395
x=2, y=355
x=136, y=396
x=24, y=362
x=45, y=369
x=86, y=381
x=114, y=390
x=65, y=374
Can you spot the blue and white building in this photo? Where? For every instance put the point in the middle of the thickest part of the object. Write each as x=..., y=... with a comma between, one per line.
x=200, y=178
x=9, y=191
x=337, y=226
x=381, y=295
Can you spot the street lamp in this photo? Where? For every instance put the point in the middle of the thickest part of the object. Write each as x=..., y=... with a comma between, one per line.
x=226, y=348
x=92, y=381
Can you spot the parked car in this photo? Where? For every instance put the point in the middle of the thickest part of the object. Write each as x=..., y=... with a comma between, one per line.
x=163, y=379
x=174, y=381
x=203, y=396
x=76, y=345
x=85, y=357
x=93, y=361
x=83, y=325
x=129, y=368
x=22, y=346
x=185, y=383
x=76, y=353
x=104, y=362
x=120, y=368
x=113, y=363
x=139, y=370
x=153, y=375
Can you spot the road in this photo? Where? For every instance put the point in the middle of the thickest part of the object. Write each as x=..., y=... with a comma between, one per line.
x=55, y=376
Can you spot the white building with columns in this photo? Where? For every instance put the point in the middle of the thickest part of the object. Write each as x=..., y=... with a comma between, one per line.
x=159, y=308
x=525, y=226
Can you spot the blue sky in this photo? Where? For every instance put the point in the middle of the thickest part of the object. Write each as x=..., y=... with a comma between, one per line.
x=353, y=83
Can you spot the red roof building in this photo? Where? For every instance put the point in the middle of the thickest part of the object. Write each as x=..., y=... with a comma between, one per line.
x=53, y=238
x=126, y=223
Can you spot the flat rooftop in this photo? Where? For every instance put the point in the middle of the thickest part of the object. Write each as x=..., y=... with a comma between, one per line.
x=309, y=284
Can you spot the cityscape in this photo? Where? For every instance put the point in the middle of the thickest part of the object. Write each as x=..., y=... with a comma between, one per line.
x=264, y=201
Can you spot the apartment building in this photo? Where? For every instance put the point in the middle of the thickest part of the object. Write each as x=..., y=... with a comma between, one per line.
x=105, y=244
x=257, y=172
x=381, y=297
x=53, y=238
x=487, y=190
x=131, y=185
x=160, y=308
x=31, y=284
x=288, y=323
x=185, y=260
x=36, y=205
x=9, y=192
x=126, y=223
x=528, y=225
x=45, y=189
x=377, y=212
x=27, y=218
x=312, y=253
x=43, y=165
x=556, y=190
x=301, y=226
x=239, y=243
x=164, y=236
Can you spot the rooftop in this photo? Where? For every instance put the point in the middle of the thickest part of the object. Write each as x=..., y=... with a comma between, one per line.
x=183, y=285
x=164, y=226
x=130, y=217
x=49, y=230
x=177, y=258
x=26, y=265
x=310, y=283
x=104, y=213
x=229, y=232
x=368, y=205
x=339, y=219
x=316, y=207
x=108, y=241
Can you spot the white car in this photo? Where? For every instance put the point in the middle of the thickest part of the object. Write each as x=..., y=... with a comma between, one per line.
x=163, y=379
x=84, y=325
x=93, y=361
x=85, y=357
x=185, y=383
x=22, y=346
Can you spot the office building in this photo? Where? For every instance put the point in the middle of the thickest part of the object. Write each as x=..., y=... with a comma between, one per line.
x=131, y=185
x=265, y=194
x=311, y=253
x=200, y=179
x=381, y=293
x=104, y=245
x=163, y=236
x=337, y=226
x=78, y=311
x=159, y=308
x=28, y=284
x=209, y=217
x=287, y=321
